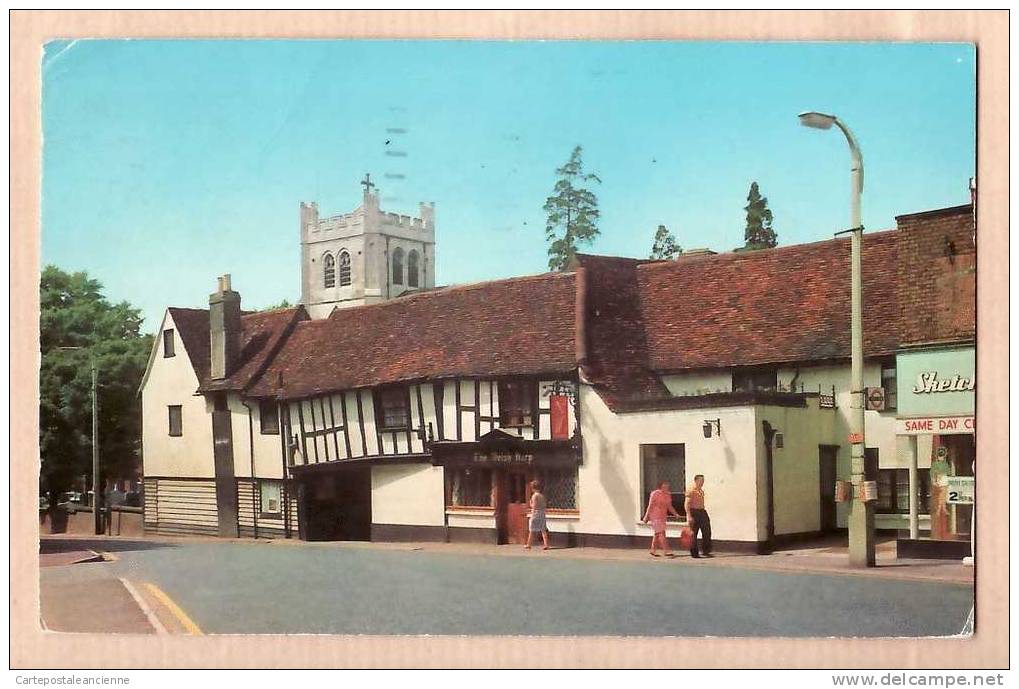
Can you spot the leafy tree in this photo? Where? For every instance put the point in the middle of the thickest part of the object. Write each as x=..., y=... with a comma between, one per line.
x=759, y=234
x=665, y=246
x=74, y=313
x=285, y=304
x=572, y=212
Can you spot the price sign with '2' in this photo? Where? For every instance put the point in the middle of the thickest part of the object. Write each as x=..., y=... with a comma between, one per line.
x=960, y=490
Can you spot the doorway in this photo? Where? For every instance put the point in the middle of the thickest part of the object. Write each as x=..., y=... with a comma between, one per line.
x=337, y=505
x=828, y=474
x=512, y=495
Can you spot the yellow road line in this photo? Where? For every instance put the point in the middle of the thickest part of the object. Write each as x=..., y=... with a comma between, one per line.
x=181, y=616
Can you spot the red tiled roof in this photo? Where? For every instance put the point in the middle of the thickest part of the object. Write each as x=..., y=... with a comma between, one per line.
x=779, y=305
x=262, y=333
x=521, y=326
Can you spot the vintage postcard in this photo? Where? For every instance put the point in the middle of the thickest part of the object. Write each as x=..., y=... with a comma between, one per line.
x=527, y=339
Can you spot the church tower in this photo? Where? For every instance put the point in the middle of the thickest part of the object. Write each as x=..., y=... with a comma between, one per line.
x=365, y=256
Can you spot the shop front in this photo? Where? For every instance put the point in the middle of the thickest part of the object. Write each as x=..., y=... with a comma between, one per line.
x=488, y=483
x=937, y=422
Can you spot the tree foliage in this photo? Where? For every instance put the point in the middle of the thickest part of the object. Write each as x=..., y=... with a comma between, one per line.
x=74, y=313
x=572, y=212
x=665, y=246
x=285, y=304
x=758, y=234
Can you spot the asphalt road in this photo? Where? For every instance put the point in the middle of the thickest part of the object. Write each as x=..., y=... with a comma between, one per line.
x=270, y=588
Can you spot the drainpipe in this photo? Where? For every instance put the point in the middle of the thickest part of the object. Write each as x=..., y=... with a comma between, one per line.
x=580, y=329
x=254, y=482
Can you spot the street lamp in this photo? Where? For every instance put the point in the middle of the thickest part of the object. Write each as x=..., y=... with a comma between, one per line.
x=861, y=514
x=95, y=443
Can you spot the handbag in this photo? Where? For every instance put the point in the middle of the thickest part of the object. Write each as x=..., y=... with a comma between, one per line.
x=686, y=538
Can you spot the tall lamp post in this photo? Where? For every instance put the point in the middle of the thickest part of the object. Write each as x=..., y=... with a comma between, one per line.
x=861, y=513
x=96, y=490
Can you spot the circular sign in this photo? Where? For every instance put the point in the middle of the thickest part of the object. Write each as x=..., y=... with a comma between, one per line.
x=876, y=398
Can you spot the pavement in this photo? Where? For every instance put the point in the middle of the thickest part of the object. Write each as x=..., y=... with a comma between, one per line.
x=148, y=586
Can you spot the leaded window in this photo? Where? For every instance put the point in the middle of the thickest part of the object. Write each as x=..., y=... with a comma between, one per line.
x=516, y=403
x=329, y=270
x=665, y=462
x=559, y=487
x=412, y=269
x=468, y=487
x=394, y=408
x=344, y=269
x=398, y=266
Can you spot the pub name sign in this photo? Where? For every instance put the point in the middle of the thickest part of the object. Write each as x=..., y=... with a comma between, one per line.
x=502, y=457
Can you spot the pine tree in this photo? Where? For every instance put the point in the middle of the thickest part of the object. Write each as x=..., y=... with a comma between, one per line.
x=665, y=246
x=572, y=212
x=759, y=234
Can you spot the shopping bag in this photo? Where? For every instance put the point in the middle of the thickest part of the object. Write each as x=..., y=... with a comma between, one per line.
x=686, y=538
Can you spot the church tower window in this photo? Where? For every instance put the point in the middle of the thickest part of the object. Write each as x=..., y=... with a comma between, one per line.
x=398, y=266
x=412, y=269
x=344, y=269
x=329, y=270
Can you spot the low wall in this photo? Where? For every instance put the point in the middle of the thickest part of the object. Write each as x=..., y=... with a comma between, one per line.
x=123, y=521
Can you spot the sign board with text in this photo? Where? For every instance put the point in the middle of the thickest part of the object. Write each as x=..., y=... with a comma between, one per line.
x=936, y=425
x=933, y=383
x=960, y=490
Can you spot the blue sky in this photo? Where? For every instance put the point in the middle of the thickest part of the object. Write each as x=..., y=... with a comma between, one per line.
x=167, y=163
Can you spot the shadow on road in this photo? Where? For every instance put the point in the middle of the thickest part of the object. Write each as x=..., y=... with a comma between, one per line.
x=62, y=545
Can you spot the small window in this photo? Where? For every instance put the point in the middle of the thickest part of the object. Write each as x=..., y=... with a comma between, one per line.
x=468, y=487
x=268, y=417
x=393, y=408
x=344, y=269
x=888, y=382
x=412, y=269
x=176, y=420
x=516, y=403
x=755, y=380
x=271, y=497
x=168, y=350
x=893, y=491
x=398, y=266
x=329, y=270
x=559, y=487
x=666, y=462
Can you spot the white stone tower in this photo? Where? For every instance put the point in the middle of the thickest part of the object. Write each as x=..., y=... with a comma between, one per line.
x=365, y=256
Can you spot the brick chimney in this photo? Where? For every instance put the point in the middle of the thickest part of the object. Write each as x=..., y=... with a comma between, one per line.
x=224, y=329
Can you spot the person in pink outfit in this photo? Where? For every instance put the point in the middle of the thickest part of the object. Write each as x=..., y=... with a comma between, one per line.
x=659, y=507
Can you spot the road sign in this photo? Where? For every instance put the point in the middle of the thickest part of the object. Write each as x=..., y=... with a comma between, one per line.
x=855, y=438
x=876, y=399
x=960, y=490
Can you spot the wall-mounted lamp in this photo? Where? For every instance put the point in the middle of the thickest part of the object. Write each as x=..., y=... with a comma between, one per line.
x=708, y=423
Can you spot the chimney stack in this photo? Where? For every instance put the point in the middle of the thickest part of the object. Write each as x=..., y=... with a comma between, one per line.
x=224, y=329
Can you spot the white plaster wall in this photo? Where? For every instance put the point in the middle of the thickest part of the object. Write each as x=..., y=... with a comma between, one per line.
x=173, y=381
x=408, y=494
x=268, y=451
x=699, y=382
x=609, y=480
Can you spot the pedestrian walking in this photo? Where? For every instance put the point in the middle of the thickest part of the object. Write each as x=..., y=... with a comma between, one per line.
x=659, y=506
x=536, y=523
x=698, y=518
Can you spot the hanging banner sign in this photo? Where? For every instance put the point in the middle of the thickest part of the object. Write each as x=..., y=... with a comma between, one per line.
x=936, y=425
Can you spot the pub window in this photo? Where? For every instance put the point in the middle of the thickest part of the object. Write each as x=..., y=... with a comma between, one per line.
x=888, y=382
x=755, y=379
x=344, y=269
x=468, y=487
x=168, y=343
x=268, y=417
x=329, y=270
x=893, y=491
x=393, y=408
x=176, y=422
x=516, y=403
x=398, y=266
x=666, y=462
x=559, y=487
x=412, y=269
x=271, y=497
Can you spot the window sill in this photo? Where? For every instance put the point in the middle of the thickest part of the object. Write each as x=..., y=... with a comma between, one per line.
x=275, y=516
x=481, y=511
x=562, y=514
x=270, y=433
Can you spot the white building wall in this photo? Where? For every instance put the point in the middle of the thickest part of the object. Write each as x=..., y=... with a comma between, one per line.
x=610, y=477
x=172, y=381
x=410, y=494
